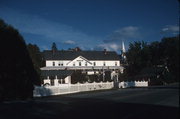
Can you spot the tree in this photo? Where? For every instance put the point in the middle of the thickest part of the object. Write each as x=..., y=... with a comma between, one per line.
x=54, y=48
x=37, y=59
x=160, y=58
x=17, y=74
x=135, y=57
x=170, y=56
x=155, y=53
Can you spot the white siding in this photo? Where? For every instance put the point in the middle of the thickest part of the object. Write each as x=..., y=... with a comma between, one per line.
x=83, y=62
x=108, y=63
x=50, y=62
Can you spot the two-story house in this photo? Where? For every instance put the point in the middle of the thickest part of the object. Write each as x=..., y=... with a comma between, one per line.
x=61, y=64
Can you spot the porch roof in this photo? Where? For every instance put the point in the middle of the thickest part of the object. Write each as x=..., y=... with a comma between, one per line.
x=58, y=73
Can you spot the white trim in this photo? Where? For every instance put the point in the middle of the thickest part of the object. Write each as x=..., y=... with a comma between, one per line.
x=81, y=67
x=81, y=57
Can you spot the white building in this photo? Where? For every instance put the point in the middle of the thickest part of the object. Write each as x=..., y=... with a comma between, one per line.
x=61, y=64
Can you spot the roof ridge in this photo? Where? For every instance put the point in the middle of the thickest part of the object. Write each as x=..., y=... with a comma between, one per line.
x=79, y=51
x=90, y=55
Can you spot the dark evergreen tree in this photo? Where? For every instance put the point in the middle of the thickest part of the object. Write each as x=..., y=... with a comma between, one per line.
x=37, y=60
x=54, y=48
x=134, y=58
x=17, y=74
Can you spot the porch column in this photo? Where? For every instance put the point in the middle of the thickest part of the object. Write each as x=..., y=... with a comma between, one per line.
x=56, y=83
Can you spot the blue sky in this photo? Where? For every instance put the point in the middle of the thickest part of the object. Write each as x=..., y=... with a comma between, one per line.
x=91, y=24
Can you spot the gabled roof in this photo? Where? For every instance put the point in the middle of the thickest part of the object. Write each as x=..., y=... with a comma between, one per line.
x=81, y=58
x=89, y=55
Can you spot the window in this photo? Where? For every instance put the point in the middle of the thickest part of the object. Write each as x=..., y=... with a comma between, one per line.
x=115, y=63
x=74, y=64
x=53, y=63
x=79, y=63
x=61, y=63
x=104, y=63
x=85, y=63
x=94, y=63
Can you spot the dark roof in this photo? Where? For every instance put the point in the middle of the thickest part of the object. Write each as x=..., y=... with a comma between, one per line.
x=89, y=55
x=59, y=73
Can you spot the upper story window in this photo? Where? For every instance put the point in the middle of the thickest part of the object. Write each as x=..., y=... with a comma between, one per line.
x=94, y=63
x=60, y=64
x=74, y=64
x=53, y=63
x=115, y=63
x=85, y=63
x=104, y=64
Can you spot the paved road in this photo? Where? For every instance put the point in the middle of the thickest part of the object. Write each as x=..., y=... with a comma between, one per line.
x=134, y=103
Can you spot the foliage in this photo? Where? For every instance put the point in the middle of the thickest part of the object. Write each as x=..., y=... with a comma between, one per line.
x=54, y=48
x=108, y=76
x=141, y=56
x=170, y=56
x=17, y=74
x=78, y=76
x=138, y=57
x=37, y=59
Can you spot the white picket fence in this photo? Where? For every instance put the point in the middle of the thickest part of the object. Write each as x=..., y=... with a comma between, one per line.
x=70, y=88
x=40, y=91
x=128, y=84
